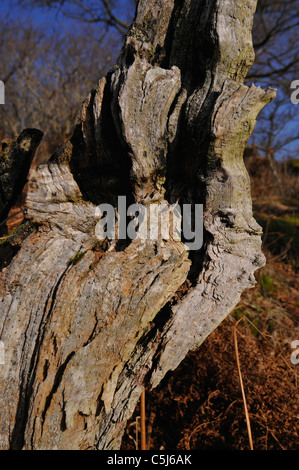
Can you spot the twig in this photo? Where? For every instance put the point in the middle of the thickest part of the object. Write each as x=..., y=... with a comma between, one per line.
x=241, y=384
x=285, y=252
x=270, y=431
x=279, y=353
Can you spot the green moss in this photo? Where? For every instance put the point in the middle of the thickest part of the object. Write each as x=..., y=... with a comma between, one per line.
x=238, y=313
x=270, y=327
x=76, y=200
x=293, y=220
x=267, y=285
x=6, y=238
x=256, y=322
x=78, y=256
x=139, y=32
x=152, y=50
x=294, y=163
x=11, y=243
x=147, y=19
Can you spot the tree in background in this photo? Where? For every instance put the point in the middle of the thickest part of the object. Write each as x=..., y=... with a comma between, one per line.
x=275, y=40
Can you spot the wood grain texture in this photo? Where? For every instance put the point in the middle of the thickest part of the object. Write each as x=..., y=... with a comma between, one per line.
x=86, y=324
x=15, y=158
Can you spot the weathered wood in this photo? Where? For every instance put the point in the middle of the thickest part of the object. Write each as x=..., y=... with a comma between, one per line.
x=85, y=324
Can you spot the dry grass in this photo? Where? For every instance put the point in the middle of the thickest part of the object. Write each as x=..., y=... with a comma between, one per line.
x=200, y=406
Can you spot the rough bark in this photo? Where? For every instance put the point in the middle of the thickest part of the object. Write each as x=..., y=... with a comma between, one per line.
x=86, y=324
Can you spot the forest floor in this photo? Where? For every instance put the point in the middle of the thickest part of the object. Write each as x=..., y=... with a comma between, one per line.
x=199, y=405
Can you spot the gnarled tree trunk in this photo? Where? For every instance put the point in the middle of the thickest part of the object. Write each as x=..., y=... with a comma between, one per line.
x=85, y=324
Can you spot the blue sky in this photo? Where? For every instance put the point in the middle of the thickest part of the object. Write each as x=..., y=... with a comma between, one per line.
x=38, y=15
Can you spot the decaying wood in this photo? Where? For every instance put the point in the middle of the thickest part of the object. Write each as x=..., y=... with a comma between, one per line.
x=84, y=323
x=15, y=158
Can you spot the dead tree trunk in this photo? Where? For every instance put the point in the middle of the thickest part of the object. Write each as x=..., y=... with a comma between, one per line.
x=15, y=159
x=86, y=324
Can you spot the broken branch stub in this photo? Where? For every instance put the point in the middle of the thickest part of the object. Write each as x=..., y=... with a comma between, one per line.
x=85, y=324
